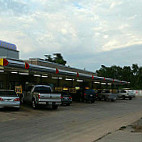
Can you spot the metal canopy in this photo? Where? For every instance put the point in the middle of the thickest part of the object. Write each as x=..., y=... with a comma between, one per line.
x=20, y=64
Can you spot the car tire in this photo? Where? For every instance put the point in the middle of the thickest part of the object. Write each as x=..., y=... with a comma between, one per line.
x=18, y=109
x=130, y=98
x=54, y=107
x=123, y=97
x=92, y=101
x=34, y=105
x=99, y=99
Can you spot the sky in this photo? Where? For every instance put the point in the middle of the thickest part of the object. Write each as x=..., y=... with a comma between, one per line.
x=88, y=33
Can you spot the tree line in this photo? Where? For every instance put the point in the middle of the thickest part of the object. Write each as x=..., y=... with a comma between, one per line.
x=132, y=74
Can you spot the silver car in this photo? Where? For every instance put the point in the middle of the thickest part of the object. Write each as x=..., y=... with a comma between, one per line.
x=8, y=98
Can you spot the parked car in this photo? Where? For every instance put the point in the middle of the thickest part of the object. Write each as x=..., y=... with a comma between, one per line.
x=9, y=98
x=131, y=93
x=42, y=95
x=106, y=95
x=123, y=94
x=89, y=95
x=66, y=98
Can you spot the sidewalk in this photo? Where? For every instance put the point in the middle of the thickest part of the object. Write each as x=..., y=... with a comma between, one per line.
x=131, y=133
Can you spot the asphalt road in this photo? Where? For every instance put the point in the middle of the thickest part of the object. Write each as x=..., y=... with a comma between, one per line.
x=79, y=122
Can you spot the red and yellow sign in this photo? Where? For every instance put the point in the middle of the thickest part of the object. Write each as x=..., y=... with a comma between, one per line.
x=3, y=62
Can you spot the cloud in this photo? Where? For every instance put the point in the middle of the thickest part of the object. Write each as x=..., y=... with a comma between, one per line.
x=77, y=29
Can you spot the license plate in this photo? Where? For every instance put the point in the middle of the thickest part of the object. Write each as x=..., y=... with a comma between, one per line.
x=50, y=103
x=7, y=100
x=43, y=103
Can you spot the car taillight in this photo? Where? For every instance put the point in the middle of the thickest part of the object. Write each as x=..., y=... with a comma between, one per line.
x=84, y=94
x=38, y=96
x=17, y=99
x=70, y=97
x=61, y=97
x=1, y=99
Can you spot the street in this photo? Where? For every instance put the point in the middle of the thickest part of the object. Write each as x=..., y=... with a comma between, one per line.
x=80, y=122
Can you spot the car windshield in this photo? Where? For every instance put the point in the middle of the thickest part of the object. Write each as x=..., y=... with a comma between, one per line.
x=123, y=91
x=65, y=94
x=107, y=91
x=8, y=93
x=90, y=91
x=42, y=89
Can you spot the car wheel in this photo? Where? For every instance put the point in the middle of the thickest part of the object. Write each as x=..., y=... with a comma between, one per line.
x=18, y=108
x=123, y=97
x=34, y=105
x=92, y=101
x=105, y=99
x=54, y=107
x=100, y=99
x=130, y=98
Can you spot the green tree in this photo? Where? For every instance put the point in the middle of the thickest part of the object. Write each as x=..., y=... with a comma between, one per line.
x=49, y=58
x=132, y=74
x=58, y=58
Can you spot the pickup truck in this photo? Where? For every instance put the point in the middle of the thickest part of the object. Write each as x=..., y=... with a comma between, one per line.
x=106, y=95
x=42, y=95
x=122, y=94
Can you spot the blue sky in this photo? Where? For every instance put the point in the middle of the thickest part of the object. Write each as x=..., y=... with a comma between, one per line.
x=88, y=33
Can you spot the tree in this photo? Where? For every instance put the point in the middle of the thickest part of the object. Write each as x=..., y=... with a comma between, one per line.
x=135, y=69
x=48, y=58
x=132, y=74
x=59, y=59
x=56, y=59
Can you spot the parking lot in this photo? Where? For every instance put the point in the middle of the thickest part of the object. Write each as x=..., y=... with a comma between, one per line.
x=78, y=122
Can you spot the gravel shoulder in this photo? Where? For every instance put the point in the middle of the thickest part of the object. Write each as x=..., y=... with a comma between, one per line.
x=130, y=133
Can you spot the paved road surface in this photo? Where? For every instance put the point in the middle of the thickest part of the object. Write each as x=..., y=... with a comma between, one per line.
x=79, y=122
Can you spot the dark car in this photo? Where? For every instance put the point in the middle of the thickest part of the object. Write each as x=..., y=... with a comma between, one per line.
x=66, y=99
x=89, y=95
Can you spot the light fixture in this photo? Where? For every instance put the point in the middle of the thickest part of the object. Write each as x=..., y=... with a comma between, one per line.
x=97, y=82
x=68, y=79
x=53, y=77
x=14, y=72
x=37, y=75
x=23, y=73
x=44, y=76
x=103, y=83
x=79, y=80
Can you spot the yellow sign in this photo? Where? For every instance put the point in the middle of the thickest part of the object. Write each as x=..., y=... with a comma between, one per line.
x=1, y=61
x=58, y=89
x=72, y=90
x=18, y=89
x=65, y=89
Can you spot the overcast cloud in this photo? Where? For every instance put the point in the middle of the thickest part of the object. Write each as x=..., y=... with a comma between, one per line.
x=88, y=33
